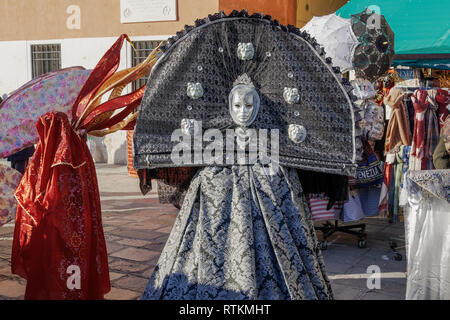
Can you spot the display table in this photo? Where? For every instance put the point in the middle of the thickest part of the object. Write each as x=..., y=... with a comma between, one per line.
x=427, y=233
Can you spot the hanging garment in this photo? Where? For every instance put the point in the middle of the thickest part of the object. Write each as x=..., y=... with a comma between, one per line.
x=409, y=111
x=58, y=225
x=402, y=198
x=442, y=98
x=427, y=232
x=391, y=195
x=369, y=198
x=400, y=167
x=9, y=180
x=426, y=131
x=266, y=249
x=417, y=159
x=387, y=177
x=352, y=210
x=433, y=128
x=398, y=128
x=373, y=122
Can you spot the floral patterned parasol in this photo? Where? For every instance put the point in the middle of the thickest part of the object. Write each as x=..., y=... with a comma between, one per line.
x=55, y=91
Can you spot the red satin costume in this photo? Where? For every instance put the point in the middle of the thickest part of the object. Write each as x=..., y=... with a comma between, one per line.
x=58, y=220
x=59, y=246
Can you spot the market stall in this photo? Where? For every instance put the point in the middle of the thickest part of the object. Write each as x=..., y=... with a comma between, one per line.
x=415, y=98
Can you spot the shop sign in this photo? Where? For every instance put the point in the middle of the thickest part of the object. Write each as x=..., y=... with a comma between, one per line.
x=132, y=11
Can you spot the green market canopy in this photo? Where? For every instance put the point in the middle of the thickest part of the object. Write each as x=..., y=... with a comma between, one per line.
x=421, y=28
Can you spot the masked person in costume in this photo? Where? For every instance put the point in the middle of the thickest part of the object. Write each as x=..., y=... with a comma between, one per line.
x=244, y=230
x=59, y=245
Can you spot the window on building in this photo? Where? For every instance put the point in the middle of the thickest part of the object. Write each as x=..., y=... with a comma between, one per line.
x=143, y=49
x=45, y=58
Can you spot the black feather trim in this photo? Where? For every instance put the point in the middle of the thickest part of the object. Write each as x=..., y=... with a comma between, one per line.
x=243, y=13
x=257, y=16
x=199, y=22
x=234, y=14
x=180, y=34
x=322, y=51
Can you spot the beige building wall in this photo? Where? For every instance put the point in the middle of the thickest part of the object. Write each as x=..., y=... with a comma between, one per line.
x=306, y=9
x=46, y=19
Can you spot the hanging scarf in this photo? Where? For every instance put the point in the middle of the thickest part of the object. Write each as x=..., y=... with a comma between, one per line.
x=388, y=172
x=398, y=128
x=409, y=112
x=418, y=159
x=58, y=245
x=443, y=99
x=400, y=167
x=432, y=137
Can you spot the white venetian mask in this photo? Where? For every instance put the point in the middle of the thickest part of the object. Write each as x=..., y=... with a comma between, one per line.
x=243, y=104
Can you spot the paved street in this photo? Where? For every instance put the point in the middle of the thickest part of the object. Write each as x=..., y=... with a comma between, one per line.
x=136, y=228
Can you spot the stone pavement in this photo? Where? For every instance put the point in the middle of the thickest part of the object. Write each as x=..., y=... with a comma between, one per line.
x=136, y=228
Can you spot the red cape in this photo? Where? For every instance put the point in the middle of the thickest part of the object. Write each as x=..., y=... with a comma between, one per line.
x=59, y=246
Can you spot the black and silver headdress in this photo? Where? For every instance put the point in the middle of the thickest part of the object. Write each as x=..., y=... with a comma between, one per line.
x=299, y=91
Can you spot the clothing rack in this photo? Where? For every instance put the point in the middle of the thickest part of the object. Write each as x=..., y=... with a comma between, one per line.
x=328, y=228
x=394, y=242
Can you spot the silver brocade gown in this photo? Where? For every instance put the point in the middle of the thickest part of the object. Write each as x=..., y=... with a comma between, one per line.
x=241, y=234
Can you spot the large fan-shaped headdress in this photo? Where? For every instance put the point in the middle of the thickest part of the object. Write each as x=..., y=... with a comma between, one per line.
x=297, y=87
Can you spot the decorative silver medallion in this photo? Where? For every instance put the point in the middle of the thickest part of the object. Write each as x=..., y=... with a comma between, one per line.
x=291, y=95
x=245, y=51
x=188, y=126
x=297, y=133
x=194, y=90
